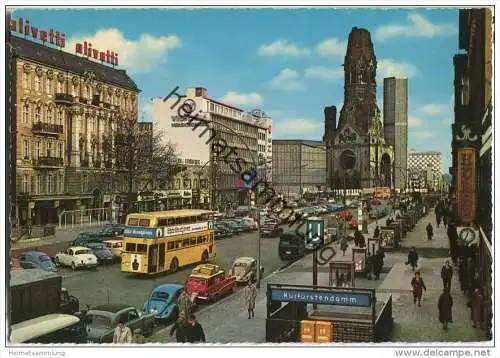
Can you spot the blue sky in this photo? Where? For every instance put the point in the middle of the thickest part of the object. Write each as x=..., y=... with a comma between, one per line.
x=286, y=62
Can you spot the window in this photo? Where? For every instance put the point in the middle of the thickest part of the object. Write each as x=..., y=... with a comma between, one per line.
x=26, y=149
x=38, y=149
x=187, y=184
x=50, y=118
x=49, y=184
x=144, y=222
x=185, y=243
x=26, y=113
x=37, y=83
x=49, y=149
x=133, y=222
x=60, y=185
x=60, y=118
x=26, y=81
x=142, y=248
x=130, y=247
x=38, y=183
x=38, y=114
x=86, y=92
x=59, y=150
x=49, y=86
x=25, y=183
x=170, y=245
x=59, y=87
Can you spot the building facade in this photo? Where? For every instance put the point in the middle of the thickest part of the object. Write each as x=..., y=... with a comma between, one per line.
x=471, y=189
x=67, y=108
x=216, y=146
x=424, y=170
x=396, y=126
x=357, y=153
x=299, y=167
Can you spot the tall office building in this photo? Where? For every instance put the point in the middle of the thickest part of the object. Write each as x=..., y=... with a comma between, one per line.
x=396, y=125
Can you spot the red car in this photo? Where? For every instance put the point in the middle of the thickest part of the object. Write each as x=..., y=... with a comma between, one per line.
x=209, y=282
x=353, y=224
x=345, y=215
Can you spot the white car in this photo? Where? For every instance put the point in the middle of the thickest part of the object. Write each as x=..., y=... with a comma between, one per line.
x=251, y=222
x=76, y=257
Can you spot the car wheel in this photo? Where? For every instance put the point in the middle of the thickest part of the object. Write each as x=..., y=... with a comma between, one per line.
x=149, y=331
x=57, y=262
x=204, y=256
x=73, y=266
x=174, y=265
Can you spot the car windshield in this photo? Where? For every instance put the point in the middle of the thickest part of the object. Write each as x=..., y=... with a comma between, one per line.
x=44, y=258
x=95, y=246
x=82, y=252
x=240, y=264
x=98, y=320
x=160, y=295
x=288, y=238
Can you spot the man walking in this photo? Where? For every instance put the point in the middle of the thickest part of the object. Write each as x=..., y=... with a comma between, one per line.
x=446, y=275
x=250, y=296
x=195, y=333
x=430, y=231
x=445, y=304
x=185, y=304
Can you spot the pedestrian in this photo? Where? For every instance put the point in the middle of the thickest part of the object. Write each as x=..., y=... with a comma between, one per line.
x=343, y=245
x=122, y=334
x=462, y=275
x=412, y=258
x=378, y=263
x=195, y=333
x=417, y=285
x=447, y=274
x=369, y=266
x=430, y=231
x=452, y=234
x=250, y=296
x=438, y=211
x=445, y=304
x=376, y=233
x=185, y=304
x=445, y=215
x=180, y=327
x=357, y=238
x=477, y=308
x=30, y=227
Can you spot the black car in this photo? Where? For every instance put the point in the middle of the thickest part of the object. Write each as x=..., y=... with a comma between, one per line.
x=86, y=237
x=221, y=233
x=103, y=254
x=111, y=231
x=291, y=246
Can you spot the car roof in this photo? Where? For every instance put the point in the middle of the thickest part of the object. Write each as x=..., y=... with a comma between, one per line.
x=78, y=248
x=36, y=327
x=111, y=307
x=245, y=259
x=168, y=287
x=33, y=253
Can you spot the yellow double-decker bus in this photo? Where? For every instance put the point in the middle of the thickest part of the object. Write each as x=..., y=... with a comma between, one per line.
x=163, y=241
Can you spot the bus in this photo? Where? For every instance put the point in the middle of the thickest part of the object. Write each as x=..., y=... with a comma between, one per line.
x=156, y=242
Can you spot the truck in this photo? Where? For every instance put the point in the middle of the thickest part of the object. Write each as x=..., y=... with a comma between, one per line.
x=35, y=293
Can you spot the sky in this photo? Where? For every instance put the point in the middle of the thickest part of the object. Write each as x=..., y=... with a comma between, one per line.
x=286, y=62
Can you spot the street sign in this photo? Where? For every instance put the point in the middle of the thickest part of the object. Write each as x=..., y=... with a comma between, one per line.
x=334, y=297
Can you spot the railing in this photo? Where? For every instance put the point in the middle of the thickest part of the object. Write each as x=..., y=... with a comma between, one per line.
x=64, y=98
x=49, y=162
x=87, y=217
x=47, y=128
x=384, y=322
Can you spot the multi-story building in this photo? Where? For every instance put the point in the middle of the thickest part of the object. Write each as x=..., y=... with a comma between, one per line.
x=68, y=109
x=215, y=147
x=299, y=167
x=471, y=190
x=396, y=126
x=424, y=170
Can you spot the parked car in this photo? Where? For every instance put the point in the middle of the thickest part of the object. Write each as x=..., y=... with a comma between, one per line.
x=37, y=260
x=353, y=224
x=251, y=222
x=115, y=246
x=85, y=237
x=245, y=268
x=111, y=231
x=209, y=282
x=221, y=233
x=270, y=228
x=76, y=257
x=345, y=215
x=162, y=302
x=291, y=246
x=103, y=254
x=101, y=321
x=243, y=224
x=235, y=228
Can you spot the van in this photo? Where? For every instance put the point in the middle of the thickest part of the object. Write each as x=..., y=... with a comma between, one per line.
x=291, y=246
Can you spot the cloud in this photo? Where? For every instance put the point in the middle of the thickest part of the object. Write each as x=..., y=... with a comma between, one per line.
x=287, y=80
x=282, y=48
x=388, y=68
x=447, y=121
x=414, y=121
x=242, y=98
x=141, y=55
x=434, y=109
x=332, y=47
x=424, y=135
x=146, y=111
x=417, y=26
x=324, y=73
x=299, y=126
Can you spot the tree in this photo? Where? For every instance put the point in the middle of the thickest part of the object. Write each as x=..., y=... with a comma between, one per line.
x=135, y=160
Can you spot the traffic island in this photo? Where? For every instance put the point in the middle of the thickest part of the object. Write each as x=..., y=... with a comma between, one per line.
x=321, y=314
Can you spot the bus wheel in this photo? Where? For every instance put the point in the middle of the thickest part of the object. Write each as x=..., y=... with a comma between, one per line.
x=204, y=256
x=174, y=265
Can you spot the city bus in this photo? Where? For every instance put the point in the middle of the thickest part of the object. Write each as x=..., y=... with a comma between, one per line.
x=156, y=242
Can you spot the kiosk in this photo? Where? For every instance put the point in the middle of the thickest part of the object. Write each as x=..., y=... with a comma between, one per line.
x=299, y=313
x=341, y=274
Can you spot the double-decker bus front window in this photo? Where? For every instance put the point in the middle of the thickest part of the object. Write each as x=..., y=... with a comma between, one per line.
x=130, y=247
x=142, y=248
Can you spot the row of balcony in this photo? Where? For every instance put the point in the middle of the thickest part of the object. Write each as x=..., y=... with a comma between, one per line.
x=67, y=99
x=47, y=128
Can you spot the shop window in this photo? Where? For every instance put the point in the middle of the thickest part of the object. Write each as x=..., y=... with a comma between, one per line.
x=142, y=248
x=130, y=247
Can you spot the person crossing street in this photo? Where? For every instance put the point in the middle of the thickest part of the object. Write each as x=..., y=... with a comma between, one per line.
x=250, y=296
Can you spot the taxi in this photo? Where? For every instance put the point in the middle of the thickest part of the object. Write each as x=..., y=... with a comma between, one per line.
x=115, y=246
x=209, y=282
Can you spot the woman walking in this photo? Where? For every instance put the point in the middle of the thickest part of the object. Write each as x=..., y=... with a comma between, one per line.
x=445, y=304
x=477, y=308
x=417, y=285
x=250, y=296
x=412, y=258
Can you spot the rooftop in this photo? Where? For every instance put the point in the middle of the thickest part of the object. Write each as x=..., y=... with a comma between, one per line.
x=66, y=61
